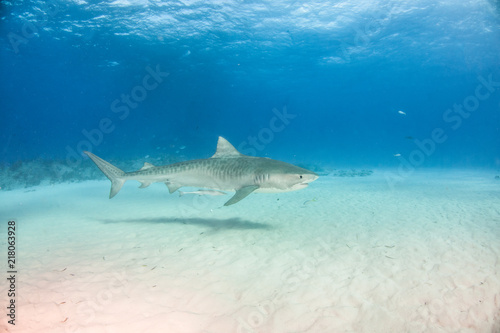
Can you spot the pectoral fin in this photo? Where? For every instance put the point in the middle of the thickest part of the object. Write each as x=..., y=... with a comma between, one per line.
x=172, y=187
x=241, y=194
x=144, y=184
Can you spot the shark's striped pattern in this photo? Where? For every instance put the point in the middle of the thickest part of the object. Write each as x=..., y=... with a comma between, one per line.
x=226, y=170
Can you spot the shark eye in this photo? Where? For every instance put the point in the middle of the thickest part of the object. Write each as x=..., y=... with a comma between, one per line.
x=300, y=176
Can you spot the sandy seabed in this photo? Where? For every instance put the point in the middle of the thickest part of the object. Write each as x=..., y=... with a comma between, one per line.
x=413, y=254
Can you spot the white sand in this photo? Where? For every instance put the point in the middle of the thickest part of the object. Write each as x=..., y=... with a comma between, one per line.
x=422, y=256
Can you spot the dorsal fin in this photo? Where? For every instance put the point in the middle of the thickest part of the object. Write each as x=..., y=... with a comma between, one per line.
x=225, y=149
x=147, y=166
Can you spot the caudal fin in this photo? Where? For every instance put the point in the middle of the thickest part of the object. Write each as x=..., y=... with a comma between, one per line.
x=114, y=174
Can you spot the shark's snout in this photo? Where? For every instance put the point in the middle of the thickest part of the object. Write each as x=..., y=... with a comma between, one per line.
x=305, y=180
x=309, y=178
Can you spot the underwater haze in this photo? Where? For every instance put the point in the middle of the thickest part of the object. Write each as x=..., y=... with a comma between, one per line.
x=372, y=205
x=335, y=83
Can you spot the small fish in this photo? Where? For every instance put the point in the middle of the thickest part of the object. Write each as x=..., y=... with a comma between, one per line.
x=397, y=155
x=308, y=201
x=203, y=192
x=401, y=112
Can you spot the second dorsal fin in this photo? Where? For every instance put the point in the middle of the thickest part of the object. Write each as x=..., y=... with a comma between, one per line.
x=147, y=166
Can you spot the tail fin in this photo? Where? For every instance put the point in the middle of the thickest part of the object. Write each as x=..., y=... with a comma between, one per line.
x=113, y=173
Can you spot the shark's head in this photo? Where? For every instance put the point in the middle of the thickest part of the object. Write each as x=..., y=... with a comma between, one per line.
x=284, y=177
x=298, y=178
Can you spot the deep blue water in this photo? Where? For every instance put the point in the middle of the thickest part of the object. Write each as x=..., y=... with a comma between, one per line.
x=336, y=74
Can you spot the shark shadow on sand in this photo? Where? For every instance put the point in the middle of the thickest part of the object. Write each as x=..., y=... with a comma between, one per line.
x=216, y=224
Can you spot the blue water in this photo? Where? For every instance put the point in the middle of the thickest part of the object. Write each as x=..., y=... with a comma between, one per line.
x=313, y=83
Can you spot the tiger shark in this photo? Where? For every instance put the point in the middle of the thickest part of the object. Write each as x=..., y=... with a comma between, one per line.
x=226, y=170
